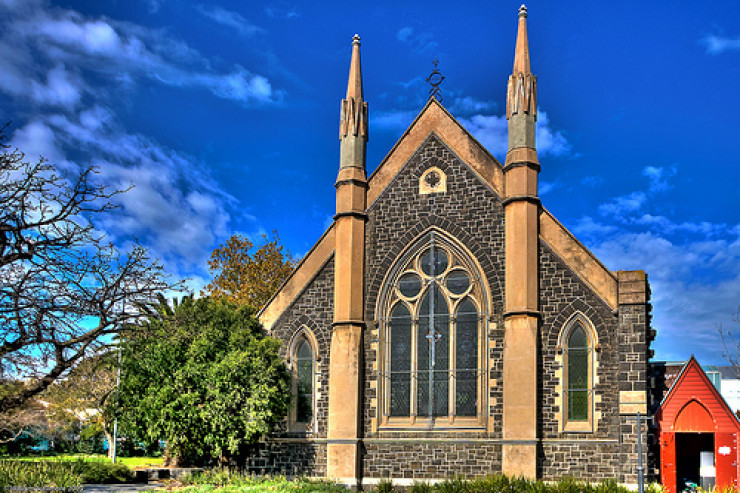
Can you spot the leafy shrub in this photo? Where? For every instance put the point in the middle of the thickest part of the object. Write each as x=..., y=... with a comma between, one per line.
x=39, y=474
x=233, y=480
x=104, y=472
x=61, y=473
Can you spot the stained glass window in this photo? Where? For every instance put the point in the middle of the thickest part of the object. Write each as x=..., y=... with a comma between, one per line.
x=578, y=374
x=400, y=361
x=304, y=382
x=432, y=363
x=467, y=358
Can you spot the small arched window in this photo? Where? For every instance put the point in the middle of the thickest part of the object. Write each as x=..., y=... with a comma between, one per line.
x=578, y=343
x=303, y=363
x=578, y=374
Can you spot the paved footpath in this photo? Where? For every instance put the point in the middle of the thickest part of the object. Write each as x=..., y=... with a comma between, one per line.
x=124, y=488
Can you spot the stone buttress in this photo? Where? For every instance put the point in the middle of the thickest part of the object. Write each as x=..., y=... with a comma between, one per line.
x=521, y=316
x=345, y=358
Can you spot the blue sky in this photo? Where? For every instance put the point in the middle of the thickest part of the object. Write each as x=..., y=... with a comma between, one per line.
x=224, y=115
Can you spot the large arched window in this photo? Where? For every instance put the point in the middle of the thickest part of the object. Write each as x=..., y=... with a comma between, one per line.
x=577, y=341
x=303, y=363
x=433, y=334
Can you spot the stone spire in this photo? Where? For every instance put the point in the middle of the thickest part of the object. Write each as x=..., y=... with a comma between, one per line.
x=521, y=96
x=353, y=125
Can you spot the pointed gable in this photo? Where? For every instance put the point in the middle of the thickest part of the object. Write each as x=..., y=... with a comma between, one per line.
x=434, y=118
x=693, y=404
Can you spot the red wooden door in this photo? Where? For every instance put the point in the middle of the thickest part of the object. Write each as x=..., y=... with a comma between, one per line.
x=668, y=461
x=725, y=459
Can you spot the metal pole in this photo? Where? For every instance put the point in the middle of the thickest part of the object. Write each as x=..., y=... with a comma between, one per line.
x=115, y=422
x=640, y=468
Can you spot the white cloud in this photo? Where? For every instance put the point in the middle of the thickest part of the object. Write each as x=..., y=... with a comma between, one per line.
x=79, y=45
x=545, y=187
x=716, y=45
x=466, y=105
x=240, y=85
x=392, y=120
x=548, y=140
x=689, y=297
x=693, y=267
x=230, y=19
x=419, y=42
x=404, y=34
x=61, y=88
x=282, y=10
x=492, y=131
x=658, y=177
x=618, y=206
x=592, y=181
x=174, y=207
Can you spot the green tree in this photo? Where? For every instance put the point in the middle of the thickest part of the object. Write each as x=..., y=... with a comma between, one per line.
x=245, y=275
x=202, y=376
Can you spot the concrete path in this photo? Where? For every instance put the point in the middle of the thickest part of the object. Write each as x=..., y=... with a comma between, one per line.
x=124, y=488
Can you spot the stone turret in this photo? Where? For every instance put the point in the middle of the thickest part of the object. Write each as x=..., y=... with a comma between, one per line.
x=345, y=358
x=521, y=316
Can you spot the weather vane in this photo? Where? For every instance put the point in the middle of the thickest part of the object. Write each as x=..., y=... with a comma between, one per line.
x=435, y=79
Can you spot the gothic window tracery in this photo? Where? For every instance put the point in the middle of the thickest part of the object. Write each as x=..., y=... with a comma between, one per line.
x=433, y=336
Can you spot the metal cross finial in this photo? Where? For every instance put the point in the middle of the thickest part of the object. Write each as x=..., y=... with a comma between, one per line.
x=435, y=79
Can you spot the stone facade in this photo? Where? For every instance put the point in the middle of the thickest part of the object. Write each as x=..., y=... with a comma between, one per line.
x=535, y=282
x=470, y=211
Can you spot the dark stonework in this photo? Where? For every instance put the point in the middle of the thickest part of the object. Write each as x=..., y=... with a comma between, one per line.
x=580, y=459
x=472, y=213
x=296, y=453
x=431, y=460
x=562, y=294
x=622, y=364
x=634, y=347
x=314, y=308
x=299, y=458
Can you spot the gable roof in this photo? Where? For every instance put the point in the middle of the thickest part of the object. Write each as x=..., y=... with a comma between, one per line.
x=693, y=384
x=434, y=118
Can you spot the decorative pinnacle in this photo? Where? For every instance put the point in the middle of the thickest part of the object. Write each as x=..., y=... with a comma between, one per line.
x=521, y=54
x=354, y=87
x=354, y=108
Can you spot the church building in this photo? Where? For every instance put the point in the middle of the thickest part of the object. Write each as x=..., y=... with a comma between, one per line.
x=446, y=324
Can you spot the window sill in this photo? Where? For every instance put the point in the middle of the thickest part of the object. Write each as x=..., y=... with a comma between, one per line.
x=578, y=427
x=439, y=424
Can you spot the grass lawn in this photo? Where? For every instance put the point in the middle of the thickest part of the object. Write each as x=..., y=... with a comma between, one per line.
x=132, y=462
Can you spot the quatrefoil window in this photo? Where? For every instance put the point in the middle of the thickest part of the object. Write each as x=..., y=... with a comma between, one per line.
x=433, y=180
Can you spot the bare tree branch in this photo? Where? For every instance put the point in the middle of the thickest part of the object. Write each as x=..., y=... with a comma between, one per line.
x=64, y=290
x=730, y=343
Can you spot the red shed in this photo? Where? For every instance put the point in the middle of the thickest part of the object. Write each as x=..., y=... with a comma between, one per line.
x=698, y=432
